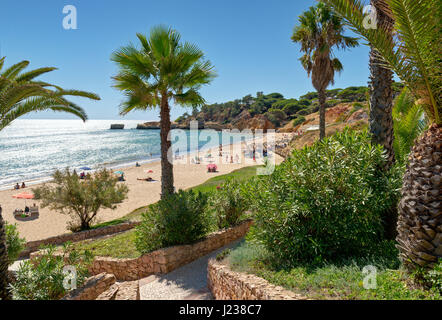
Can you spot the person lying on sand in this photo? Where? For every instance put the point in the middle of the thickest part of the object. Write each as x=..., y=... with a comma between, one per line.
x=149, y=179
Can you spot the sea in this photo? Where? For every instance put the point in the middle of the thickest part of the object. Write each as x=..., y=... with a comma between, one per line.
x=31, y=150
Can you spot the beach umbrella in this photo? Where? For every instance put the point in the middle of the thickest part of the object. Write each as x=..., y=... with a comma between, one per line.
x=85, y=168
x=23, y=195
x=119, y=172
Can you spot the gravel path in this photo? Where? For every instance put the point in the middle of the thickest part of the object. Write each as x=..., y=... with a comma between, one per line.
x=186, y=283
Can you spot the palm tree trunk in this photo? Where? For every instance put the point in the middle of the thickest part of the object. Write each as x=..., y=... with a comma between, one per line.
x=322, y=106
x=166, y=165
x=4, y=262
x=381, y=96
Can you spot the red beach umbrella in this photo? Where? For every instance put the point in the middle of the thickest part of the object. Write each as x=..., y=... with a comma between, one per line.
x=23, y=195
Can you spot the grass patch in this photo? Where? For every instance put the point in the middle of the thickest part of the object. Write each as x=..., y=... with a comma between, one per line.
x=109, y=223
x=239, y=175
x=342, y=280
x=121, y=245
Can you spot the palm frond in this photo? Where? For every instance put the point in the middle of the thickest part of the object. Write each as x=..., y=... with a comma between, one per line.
x=414, y=55
x=408, y=123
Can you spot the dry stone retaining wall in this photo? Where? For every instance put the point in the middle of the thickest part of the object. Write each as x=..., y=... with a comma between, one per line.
x=92, y=288
x=164, y=260
x=226, y=284
x=168, y=259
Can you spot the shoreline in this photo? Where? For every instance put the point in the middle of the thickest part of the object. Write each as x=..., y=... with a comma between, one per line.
x=110, y=166
x=141, y=193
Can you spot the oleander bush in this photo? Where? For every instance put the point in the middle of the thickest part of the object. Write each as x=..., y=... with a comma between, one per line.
x=324, y=202
x=14, y=243
x=181, y=218
x=44, y=278
x=229, y=203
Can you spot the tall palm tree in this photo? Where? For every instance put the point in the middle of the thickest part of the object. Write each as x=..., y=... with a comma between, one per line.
x=21, y=93
x=380, y=86
x=318, y=32
x=161, y=71
x=414, y=55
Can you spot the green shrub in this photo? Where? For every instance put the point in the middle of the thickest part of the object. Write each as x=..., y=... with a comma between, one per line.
x=303, y=112
x=325, y=201
x=430, y=279
x=229, y=203
x=179, y=219
x=43, y=279
x=14, y=243
x=298, y=121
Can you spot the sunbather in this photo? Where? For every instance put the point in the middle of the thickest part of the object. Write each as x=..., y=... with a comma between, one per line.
x=148, y=179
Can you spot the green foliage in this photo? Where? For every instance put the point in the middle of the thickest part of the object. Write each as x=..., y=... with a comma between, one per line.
x=21, y=93
x=180, y=218
x=338, y=280
x=298, y=121
x=325, y=201
x=408, y=123
x=14, y=243
x=163, y=66
x=81, y=199
x=413, y=54
x=434, y=277
x=352, y=94
x=43, y=279
x=276, y=116
x=229, y=203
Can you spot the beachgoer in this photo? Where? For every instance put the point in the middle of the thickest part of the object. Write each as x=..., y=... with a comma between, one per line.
x=17, y=186
x=82, y=175
x=137, y=165
x=23, y=185
x=27, y=209
x=149, y=179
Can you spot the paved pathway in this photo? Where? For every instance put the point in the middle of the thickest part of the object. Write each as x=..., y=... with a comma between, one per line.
x=186, y=283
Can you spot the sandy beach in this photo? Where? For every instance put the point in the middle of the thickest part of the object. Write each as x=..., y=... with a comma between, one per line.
x=141, y=193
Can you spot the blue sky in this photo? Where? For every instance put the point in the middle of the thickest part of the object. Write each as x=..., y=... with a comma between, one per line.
x=248, y=41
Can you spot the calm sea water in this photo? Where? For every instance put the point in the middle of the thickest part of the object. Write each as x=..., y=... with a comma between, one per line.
x=31, y=150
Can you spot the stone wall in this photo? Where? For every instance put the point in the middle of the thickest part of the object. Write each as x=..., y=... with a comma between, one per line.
x=226, y=284
x=92, y=288
x=33, y=246
x=168, y=259
x=165, y=260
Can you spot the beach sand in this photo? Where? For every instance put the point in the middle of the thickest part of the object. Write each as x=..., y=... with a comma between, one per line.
x=141, y=193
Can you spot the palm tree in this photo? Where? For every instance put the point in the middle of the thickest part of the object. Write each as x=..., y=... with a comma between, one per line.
x=318, y=32
x=163, y=70
x=20, y=94
x=381, y=96
x=414, y=55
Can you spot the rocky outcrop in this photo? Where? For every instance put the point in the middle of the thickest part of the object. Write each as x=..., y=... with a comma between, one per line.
x=149, y=126
x=117, y=126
